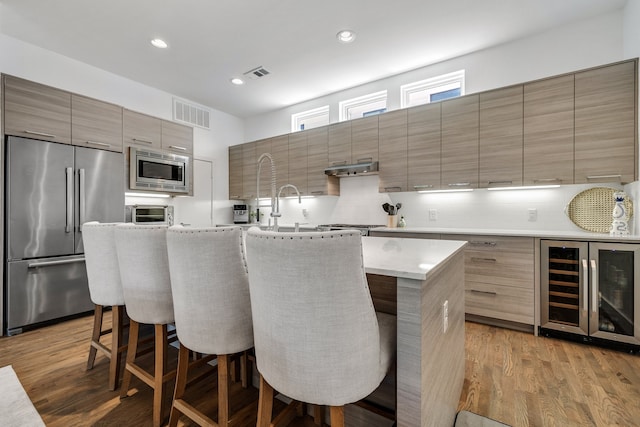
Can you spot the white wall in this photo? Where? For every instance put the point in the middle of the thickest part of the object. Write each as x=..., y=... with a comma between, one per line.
x=631, y=29
x=33, y=63
x=573, y=47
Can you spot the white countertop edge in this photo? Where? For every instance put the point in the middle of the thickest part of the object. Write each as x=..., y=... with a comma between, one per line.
x=544, y=234
x=406, y=258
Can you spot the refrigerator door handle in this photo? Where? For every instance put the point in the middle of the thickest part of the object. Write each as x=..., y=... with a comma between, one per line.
x=83, y=203
x=55, y=262
x=594, y=286
x=69, y=174
x=585, y=286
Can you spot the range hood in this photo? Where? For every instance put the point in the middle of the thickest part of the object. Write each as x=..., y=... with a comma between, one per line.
x=367, y=168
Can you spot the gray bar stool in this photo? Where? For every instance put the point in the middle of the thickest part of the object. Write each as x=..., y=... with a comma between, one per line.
x=317, y=336
x=144, y=270
x=210, y=288
x=105, y=290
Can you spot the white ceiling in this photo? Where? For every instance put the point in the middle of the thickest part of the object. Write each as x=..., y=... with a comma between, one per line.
x=211, y=41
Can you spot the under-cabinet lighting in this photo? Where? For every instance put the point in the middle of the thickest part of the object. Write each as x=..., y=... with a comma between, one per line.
x=528, y=187
x=157, y=195
x=457, y=190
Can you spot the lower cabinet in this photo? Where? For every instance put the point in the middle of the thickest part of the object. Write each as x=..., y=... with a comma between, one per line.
x=499, y=277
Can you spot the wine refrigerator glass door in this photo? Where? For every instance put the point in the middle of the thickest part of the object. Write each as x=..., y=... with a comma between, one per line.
x=565, y=286
x=614, y=300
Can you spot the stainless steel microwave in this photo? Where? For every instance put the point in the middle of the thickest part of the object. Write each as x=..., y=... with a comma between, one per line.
x=158, y=171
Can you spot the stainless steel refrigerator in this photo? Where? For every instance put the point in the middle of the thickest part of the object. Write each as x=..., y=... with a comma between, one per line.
x=50, y=191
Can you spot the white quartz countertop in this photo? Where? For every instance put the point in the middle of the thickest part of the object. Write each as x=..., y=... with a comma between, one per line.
x=407, y=258
x=545, y=234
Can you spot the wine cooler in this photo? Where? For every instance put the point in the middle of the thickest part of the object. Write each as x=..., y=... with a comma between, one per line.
x=591, y=289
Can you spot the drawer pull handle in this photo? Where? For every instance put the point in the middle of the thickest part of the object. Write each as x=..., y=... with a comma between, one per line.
x=101, y=144
x=392, y=188
x=558, y=180
x=422, y=187
x=48, y=135
x=339, y=163
x=493, y=294
x=496, y=183
x=479, y=243
x=317, y=192
x=145, y=141
x=619, y=177
x=459, y=184
x=177, y=147
x=365, y=160
x=477, y=259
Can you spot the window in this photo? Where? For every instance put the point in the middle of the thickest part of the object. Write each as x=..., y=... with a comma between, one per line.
x=310, y=119
x=433, y=89
x=363, y=106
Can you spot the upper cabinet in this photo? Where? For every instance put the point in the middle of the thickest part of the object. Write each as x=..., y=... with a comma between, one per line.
x=298, y=155
x=235, y=172
x=393, y=151
x=36, y=111
x=96, y=124
x=548, y=131
x=280, y=153
x=318, y=183
x=364, y=140
x=606, y=124
x=142, y=130
x=339, y=144
x=460, y=143
x=423, y=161
x=500, y=138
x=176, y=138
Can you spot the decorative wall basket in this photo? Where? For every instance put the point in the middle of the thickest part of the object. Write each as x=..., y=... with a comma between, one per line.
x=591, y=209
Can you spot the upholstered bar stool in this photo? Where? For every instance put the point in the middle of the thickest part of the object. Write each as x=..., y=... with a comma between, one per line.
x=317, y=336
x=210, y=288
x=105, y=290
x=144, y=270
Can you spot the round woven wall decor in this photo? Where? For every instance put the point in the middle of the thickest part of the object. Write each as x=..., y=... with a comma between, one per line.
x=592, y=209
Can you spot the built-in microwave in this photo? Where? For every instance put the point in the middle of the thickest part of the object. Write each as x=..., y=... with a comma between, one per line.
x=158, y=171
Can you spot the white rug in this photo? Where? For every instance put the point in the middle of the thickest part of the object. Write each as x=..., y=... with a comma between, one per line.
x=16, y=409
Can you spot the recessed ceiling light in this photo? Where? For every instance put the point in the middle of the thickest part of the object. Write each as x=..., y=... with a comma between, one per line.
x=159, y=43
x=346, y=36
x=237, y=81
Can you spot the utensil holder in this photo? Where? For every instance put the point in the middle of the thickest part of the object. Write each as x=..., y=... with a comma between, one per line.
x=392, y=221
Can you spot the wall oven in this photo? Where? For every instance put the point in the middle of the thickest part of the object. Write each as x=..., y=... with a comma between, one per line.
x=159, y=171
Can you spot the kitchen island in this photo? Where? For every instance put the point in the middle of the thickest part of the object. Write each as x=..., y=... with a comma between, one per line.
x=429, y=276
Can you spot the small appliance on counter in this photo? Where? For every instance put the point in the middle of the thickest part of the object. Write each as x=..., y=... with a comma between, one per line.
x=241, y=214
x=149, y=214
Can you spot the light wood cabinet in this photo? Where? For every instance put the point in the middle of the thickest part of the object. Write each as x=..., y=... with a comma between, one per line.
x=364, y=140
x=499, y=277
x=393, y=151
x=548, y=131
x=423, y=159
x=298, y=155
x=249, y=171
x=96, y=124
x=280, y=153
x=339, y=144
x=500, y=137
x=317, y=161
x=176, y=138
x=235, y=172
x=460, y=143
x=606, y=124
x=263, y=146
x=32, y=110
x=142, y=130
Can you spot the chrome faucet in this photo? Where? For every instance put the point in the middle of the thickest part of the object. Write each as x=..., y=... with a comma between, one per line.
x=276, y=214
x=273, y=187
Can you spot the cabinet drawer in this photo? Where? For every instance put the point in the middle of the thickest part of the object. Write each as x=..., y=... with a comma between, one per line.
x=499, y=302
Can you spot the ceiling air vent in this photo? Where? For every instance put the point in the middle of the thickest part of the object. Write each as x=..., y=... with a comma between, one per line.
x=257, y=73
x=191, y=114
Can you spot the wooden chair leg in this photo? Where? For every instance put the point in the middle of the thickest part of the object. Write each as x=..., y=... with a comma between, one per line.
x=181, y=384
x=265, y=404
x=95, y=335
x=317, y=415
x=245, y=369
x=132, y=349
x=117, y=316
x=223, y=389
x=337, y=416
x=159, y=369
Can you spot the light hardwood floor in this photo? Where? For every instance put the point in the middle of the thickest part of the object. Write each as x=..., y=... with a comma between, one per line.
x=513, y=377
